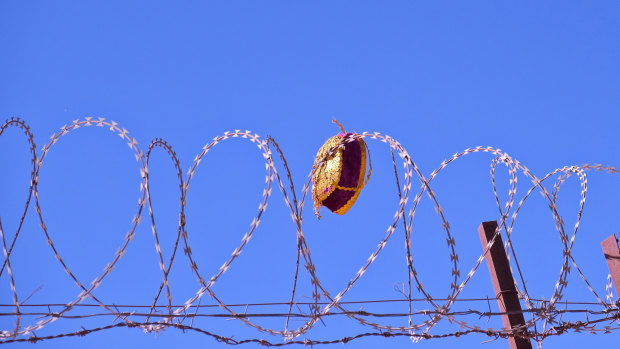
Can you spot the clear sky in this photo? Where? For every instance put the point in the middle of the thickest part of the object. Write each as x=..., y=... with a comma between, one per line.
x=541, y=81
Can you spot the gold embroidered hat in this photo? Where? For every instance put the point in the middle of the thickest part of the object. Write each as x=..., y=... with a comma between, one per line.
x=340, y=166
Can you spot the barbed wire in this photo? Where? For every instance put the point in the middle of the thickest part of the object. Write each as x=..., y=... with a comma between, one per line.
x=245, y=314
x=323, y=303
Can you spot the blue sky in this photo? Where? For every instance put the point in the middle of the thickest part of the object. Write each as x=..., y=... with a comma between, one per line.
x=541, y=81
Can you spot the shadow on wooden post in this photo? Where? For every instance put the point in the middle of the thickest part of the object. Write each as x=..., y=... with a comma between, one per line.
x=504, y=284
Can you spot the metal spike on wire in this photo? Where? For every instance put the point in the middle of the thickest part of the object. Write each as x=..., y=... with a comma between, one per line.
x=544, y=315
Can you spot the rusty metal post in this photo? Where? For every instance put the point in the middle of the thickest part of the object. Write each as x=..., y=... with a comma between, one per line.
x=612, y=255
x=504, y=284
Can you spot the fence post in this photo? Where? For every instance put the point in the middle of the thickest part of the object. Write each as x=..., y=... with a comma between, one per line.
x=612, y=255
x=503, y=283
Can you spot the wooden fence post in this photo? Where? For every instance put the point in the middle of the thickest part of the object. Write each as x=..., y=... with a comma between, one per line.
x=504, y=285
x=612, y=255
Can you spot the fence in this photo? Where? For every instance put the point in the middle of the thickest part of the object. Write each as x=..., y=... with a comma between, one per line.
x=544, y=316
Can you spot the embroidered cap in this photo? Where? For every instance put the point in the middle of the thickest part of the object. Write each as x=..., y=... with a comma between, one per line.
x=340, y=167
